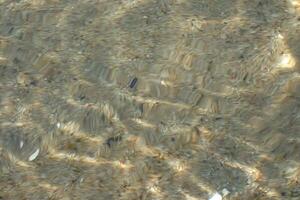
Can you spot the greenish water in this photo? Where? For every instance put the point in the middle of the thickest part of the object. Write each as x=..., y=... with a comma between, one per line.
x=149, y=99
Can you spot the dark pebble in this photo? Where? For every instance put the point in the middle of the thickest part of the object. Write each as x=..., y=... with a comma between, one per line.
x=81, y=98
x=110, y=141
x=133, y=82
x=10, y=30
x=141, y=108
x=33, y=83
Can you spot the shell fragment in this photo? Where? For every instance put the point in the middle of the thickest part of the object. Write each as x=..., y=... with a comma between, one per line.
x=34, y=155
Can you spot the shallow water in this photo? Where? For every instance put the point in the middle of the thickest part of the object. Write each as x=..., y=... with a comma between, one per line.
x=149, y=99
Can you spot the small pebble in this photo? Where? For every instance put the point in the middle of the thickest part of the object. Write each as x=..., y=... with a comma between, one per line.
x=225, y=192
x=10, y=30
x=112, y=140
x=34, y=155
x=21, y=144
x=216, y=196
x=133, y=82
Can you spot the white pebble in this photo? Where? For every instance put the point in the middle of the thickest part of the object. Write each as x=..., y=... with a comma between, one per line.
x=58, y=125
x=216, y=196
x=225, y=192
x=21, y=144
x=34, y=155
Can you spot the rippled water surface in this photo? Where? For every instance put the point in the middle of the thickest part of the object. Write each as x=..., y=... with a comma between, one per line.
x=149, y=99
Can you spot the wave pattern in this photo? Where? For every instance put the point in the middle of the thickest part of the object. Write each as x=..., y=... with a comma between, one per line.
x=149, y=99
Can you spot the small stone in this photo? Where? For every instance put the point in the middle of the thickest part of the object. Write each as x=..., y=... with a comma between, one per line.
x=34, y=155
x=23, y=79
x=225, y=192
x=216, y=196
x=112, y=140
x=133, y=82
x=81, y=179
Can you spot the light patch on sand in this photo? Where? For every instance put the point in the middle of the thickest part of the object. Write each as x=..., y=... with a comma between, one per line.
x=157, y=101
x=66, y=156
x=73, y=128
x=295, y=2
x=286, y=61
x=153, y=188
x=123, y=165
x=48, y=186
x=294, y=6
x=166, y=83
x=3, y=60
x=15, y=124
x=125, y=7
x=292, y=172
x=145, y=150
x=177, y=165
x=23, y=164
x=189, y=197
x=144, y=123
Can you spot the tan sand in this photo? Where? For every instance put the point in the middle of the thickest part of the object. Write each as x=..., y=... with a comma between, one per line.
x=149, y=99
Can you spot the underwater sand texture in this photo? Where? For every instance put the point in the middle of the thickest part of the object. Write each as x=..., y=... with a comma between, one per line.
x=149, y=99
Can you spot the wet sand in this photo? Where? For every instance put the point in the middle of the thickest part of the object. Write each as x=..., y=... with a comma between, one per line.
x=149, y=99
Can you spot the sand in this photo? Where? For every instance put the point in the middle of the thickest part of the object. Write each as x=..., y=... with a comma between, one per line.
x=149, y=99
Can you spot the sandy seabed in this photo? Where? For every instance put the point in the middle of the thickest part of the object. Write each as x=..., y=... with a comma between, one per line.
x=149, y=99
